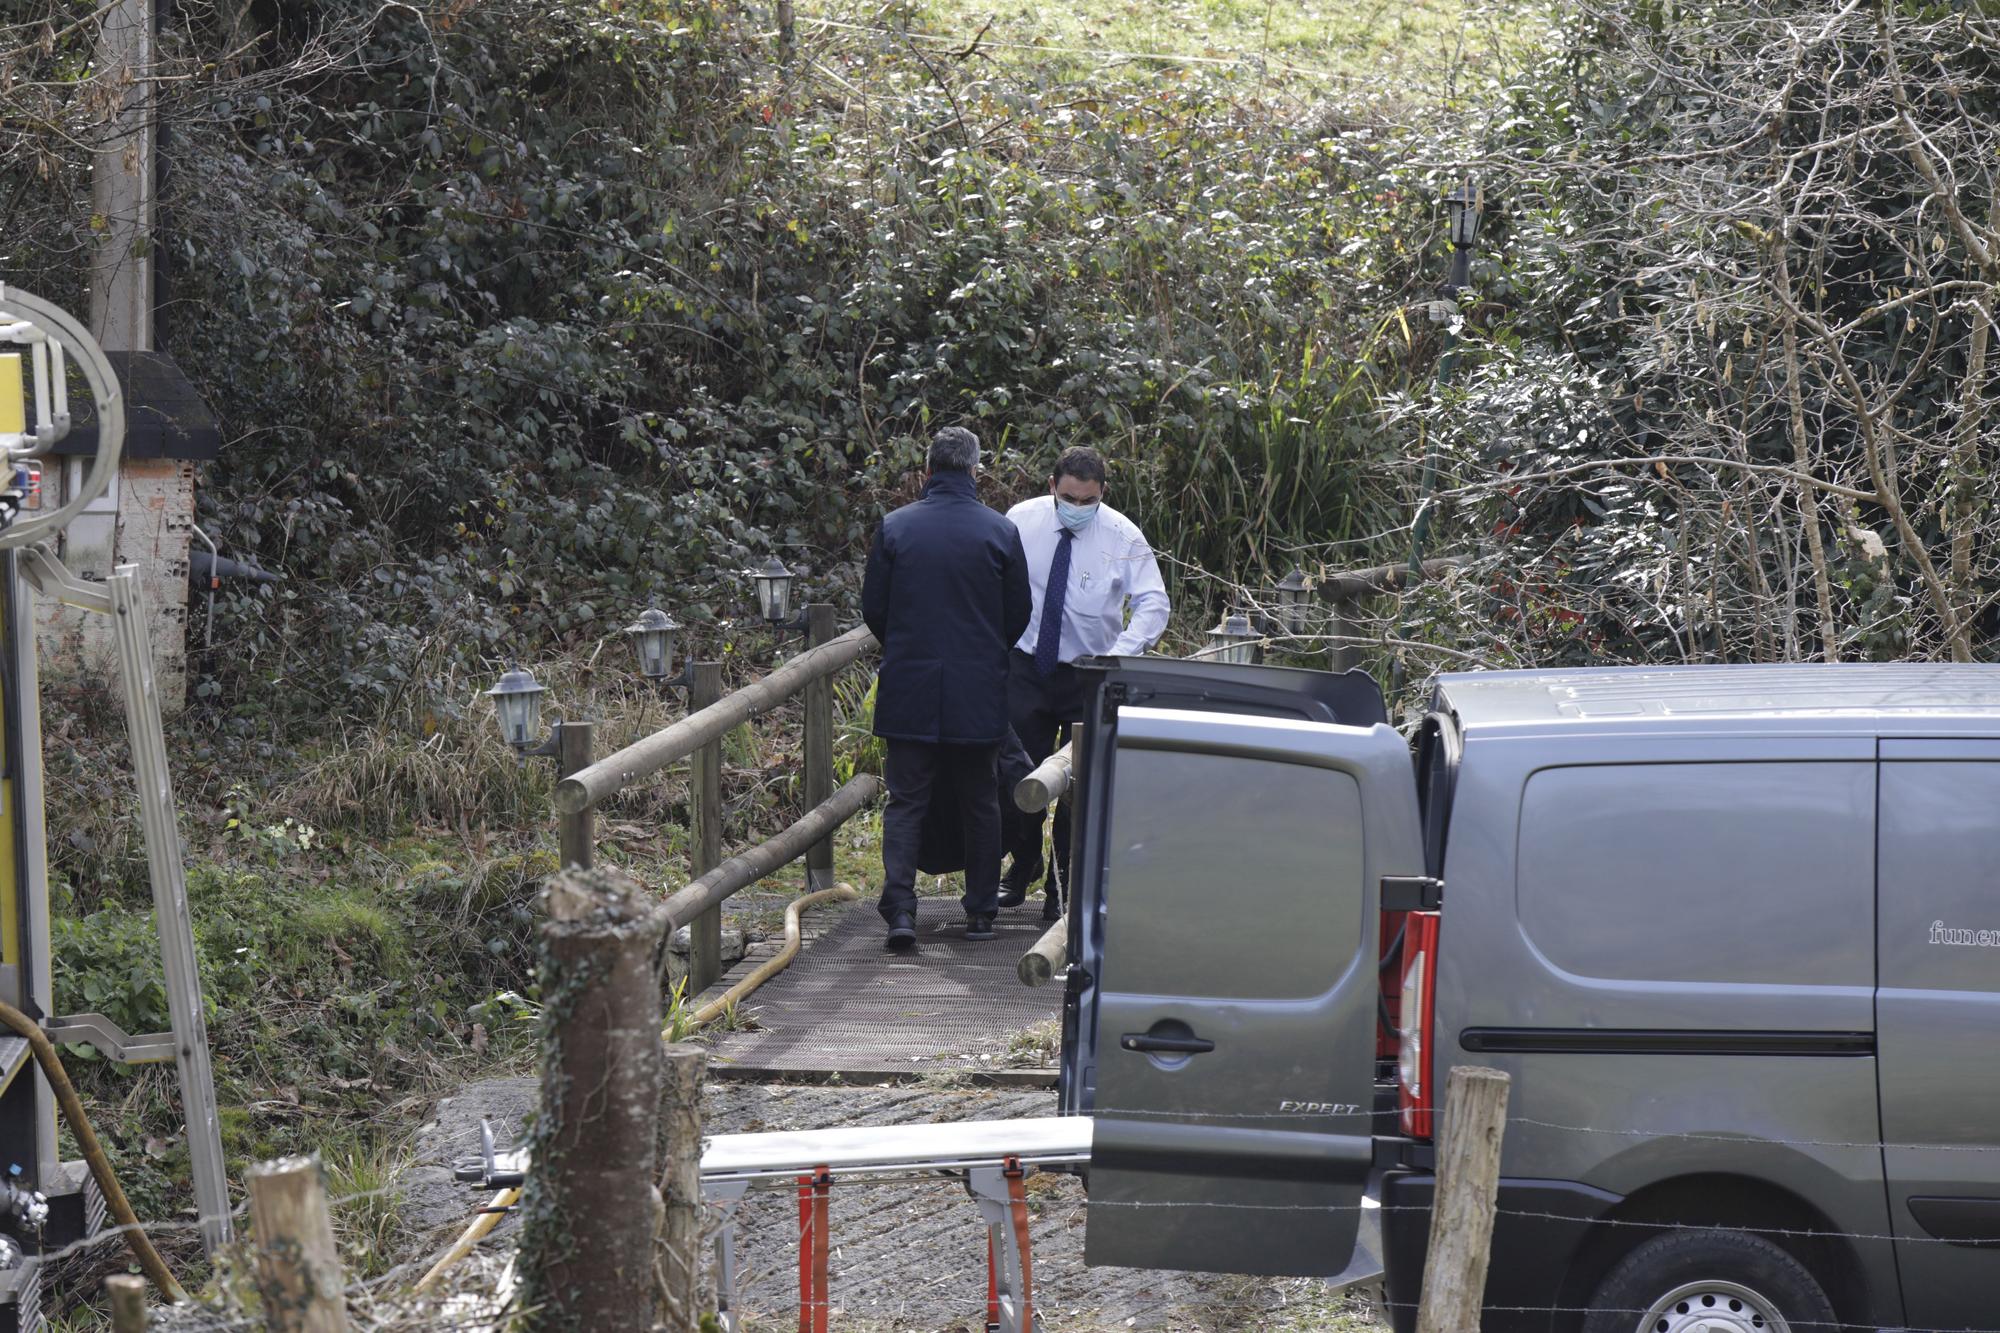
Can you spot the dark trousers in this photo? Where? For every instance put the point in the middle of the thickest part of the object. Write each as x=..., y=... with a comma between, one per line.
x=1043, y=710
x=970, y=773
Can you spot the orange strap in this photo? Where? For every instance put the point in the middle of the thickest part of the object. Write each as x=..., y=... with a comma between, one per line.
x=1017, y=1203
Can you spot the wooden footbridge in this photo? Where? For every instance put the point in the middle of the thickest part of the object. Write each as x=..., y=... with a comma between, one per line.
x=844, y=1009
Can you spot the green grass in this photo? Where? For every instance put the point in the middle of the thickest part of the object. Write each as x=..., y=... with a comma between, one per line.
x=1319, y=41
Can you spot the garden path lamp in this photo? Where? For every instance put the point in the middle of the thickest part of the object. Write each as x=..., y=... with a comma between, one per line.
x=1463, y=209
x=774, y=598
x=517, y=707
x=653, y=636
x=1232, y=640
x=1290, y=596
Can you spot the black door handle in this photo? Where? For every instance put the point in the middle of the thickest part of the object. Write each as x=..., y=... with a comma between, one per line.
x=1141, y=1041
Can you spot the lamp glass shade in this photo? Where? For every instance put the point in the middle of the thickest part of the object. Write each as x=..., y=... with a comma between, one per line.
x=1232, y=640
x=1464, y=207
x=1290, y=597
x=517, y=706
x=652, y=636
x=774, y=590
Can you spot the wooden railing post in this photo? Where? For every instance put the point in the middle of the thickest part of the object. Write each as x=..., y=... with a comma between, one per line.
x=705, y=833
x=1468, y=1182
x=1346, y=653
x=681, y=1267
x=591, y=1211
x=574, y=832
x=298, y=1264
x=819, y=745
x=128, y=1302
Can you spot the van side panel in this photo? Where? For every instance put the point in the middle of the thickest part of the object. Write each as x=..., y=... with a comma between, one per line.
x=1667, y=941
x=1939, y=1009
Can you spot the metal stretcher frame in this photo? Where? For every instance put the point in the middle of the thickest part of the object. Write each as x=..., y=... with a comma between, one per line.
x=994, y=1157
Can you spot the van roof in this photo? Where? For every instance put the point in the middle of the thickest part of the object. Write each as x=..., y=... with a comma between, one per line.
x=1854, y=691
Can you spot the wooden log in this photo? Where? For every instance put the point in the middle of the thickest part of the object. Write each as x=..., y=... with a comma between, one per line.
x=682, y=1300
x=705, y=833
x=1468, y=1181
x=1041, y=788
x=1045, y=955
x=746, y=868
x=1355, y=583
x=650, y=754
x=590, y=1212
x=298, y=1265
x=128, y=1302
x=820, y=628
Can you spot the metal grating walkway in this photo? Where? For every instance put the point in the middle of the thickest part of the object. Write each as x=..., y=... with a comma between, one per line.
x=848, y=1006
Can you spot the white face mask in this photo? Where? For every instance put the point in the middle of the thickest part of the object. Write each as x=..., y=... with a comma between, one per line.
x=1073, y=516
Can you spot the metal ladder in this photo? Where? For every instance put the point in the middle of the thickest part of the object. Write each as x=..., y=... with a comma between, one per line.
x=123, y=597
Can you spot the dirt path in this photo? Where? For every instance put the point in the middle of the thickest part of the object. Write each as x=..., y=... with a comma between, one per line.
x=905, y=1257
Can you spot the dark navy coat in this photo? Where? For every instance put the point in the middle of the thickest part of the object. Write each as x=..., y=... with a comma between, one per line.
x=946, y=595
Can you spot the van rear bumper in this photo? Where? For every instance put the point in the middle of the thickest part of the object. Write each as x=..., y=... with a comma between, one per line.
x=1539, y=1228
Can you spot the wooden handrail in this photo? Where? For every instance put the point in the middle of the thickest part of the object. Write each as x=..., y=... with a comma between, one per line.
x=649, y=754
x=1383, y=578
x=746, y=868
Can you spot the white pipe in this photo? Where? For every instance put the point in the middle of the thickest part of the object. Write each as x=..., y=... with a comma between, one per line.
x=59, y=371
x=45, y=424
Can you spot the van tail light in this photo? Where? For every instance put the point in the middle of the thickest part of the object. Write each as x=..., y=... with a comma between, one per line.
x=1419, y=1009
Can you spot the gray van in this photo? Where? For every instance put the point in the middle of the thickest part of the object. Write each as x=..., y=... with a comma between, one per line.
x=1734, y=931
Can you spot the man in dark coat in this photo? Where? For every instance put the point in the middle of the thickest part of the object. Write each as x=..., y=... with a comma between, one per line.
x=946, y=595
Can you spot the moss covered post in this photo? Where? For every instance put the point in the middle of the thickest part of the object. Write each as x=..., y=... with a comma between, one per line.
x=591, y=1211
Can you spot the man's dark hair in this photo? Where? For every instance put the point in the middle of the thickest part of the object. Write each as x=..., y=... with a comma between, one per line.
x=954, y=449
x=1083, y=463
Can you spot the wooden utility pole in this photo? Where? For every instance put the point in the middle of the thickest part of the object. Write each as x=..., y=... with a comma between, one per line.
x=1468, y=1181
x=298, y=1265
x=681, y=1266
x=591, y=1212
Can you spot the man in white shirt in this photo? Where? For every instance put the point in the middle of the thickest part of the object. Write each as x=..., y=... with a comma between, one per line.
x=1102, y=564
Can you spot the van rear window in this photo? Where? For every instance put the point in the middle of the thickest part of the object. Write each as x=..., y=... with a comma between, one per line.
x=1741, y=873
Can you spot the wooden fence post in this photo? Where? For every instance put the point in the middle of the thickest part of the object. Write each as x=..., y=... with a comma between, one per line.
x=681, y=1267
x=1468, y=1181
x=820, y=628
x=298, y=1264
x=574, y=832
x=128, y=1302
x=705, y=841
x=1345, y=654
x=590, y=1211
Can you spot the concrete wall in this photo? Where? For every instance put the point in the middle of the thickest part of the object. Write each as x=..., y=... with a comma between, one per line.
x=150, y=526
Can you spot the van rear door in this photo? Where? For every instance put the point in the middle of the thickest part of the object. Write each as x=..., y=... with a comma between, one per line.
x=1936, y=1009
x=1232, y=834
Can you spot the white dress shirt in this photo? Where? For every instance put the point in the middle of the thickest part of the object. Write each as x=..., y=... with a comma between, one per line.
x=1110, y=564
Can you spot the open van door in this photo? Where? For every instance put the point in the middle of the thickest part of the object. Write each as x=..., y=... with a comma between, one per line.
x=1233, y=829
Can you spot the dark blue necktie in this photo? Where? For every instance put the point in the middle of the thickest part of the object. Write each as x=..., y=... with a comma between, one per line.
x=1048, y=644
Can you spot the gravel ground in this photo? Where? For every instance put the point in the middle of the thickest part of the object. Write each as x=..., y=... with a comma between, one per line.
x=905, y=1256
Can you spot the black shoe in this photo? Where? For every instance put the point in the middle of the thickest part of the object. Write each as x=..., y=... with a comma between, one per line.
x=1051, y=908
x=980, y=928
x=1014, y=885
x=902, y=934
